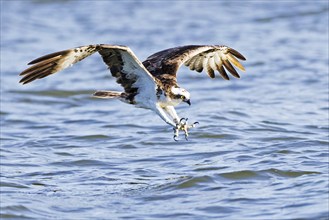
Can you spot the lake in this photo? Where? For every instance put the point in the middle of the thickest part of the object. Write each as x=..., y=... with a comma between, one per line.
x=259, y=152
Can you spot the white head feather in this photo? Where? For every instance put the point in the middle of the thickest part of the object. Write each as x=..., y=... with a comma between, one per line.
x=181, y=92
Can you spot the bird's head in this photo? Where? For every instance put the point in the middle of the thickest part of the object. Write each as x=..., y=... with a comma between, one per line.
x=181, y=94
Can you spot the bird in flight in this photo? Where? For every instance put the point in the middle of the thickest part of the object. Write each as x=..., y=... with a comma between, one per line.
x=151, y=84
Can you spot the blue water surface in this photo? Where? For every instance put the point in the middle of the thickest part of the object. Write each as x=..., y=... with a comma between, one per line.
x=260, y=151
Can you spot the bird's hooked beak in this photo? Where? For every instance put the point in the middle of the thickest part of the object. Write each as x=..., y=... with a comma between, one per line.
x=187, y=101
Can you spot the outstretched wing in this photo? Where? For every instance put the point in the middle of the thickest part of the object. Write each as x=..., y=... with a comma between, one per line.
x=121, y=61
x=55, y=62
x=196, y=57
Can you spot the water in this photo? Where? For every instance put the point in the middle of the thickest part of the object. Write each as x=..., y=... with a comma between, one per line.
x=260, y=152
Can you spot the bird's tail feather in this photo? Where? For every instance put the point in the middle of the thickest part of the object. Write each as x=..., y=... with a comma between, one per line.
x=103, y=94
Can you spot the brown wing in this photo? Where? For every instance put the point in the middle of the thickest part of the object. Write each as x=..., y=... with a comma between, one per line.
x=55, y=62
x=196, y=57
x=122, y=62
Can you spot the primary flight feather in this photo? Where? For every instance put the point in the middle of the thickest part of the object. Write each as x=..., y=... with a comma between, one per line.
x=151, y=84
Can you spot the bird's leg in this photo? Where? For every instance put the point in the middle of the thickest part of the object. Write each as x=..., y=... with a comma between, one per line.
x=163, y=115
x=181, y=124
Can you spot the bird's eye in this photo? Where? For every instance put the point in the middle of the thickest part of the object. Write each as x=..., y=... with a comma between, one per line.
x=182, y=97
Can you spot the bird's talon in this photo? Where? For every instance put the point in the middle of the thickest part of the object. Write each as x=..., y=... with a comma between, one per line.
x=183, y=126
x=194, y=124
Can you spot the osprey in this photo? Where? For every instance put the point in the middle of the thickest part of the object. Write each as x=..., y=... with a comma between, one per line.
x=151, y=84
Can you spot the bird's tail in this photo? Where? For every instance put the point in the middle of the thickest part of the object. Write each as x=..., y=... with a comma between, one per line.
x=103, y=94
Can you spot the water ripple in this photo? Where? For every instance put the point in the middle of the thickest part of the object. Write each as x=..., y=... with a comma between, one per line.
x=259, y=152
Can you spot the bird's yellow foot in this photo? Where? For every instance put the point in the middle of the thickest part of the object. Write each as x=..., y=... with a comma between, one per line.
x=183, y=126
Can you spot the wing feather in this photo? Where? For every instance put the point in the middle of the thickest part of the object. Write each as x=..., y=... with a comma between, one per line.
x=222, y=72
x=192, y=63
x=41, y=65
x=197, y=57
x=235, y=62
x=219, y=66
x=198, y=64
x=230, y=68
x=55, y=62
x=212, y=66
x=38, y=68
x=210, y=71
x=236, y=53
x=37, y=74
